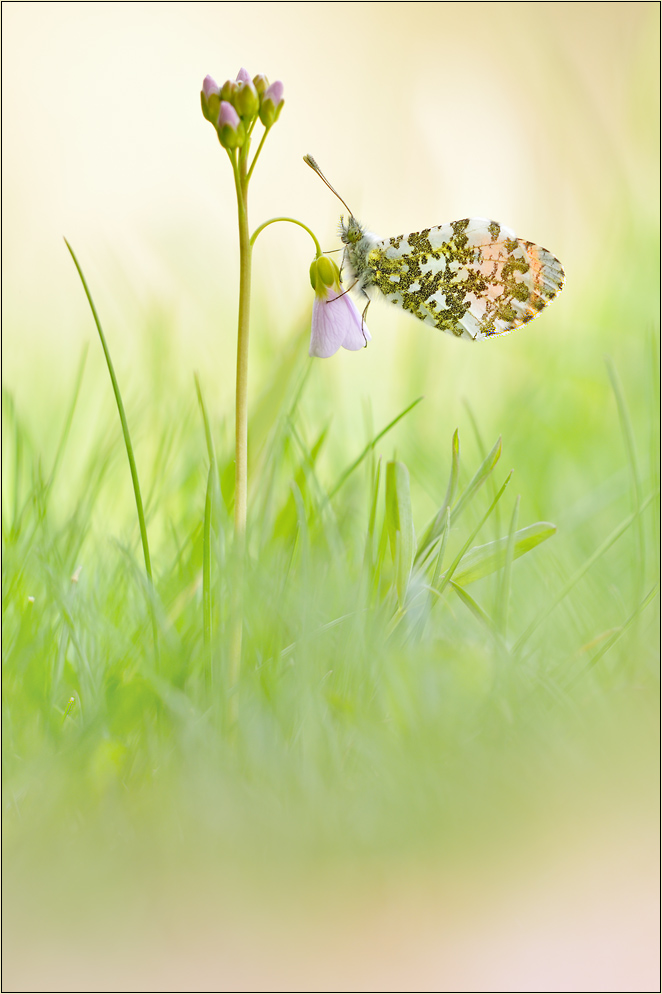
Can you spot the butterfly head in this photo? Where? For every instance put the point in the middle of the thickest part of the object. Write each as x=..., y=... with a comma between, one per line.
x=351, y=232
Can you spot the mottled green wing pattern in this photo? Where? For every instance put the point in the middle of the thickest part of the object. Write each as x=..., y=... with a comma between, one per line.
x=472, y=278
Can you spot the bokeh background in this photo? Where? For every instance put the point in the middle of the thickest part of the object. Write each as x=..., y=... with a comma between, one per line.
x=541, y=115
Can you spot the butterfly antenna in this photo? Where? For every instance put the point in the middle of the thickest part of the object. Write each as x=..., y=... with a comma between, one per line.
x=308, y=159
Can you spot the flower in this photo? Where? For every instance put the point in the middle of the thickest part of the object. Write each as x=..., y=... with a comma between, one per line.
x=336, y=319
x=271, y=103
x=243, y=76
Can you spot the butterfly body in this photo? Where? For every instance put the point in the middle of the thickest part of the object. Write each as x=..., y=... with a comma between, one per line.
x=472, y=278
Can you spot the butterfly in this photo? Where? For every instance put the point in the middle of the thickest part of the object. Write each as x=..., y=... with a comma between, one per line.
x=472, y=278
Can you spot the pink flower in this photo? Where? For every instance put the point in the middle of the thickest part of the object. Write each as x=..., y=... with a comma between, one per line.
x=336, y=319
x=242, y=76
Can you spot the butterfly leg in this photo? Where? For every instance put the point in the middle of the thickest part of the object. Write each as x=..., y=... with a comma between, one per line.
x=343, y=293
x=365, y=311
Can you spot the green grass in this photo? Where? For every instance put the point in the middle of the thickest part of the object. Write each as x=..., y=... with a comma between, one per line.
x=430, y=654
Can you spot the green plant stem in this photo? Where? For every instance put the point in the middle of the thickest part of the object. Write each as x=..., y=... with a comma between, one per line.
x=241, y=407
x=292, y=220
x=242, y=175
x=239, y=167
x=257, y=154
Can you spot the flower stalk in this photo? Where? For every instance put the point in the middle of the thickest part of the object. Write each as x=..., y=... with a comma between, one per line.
x=243, y=325
x=234, y=109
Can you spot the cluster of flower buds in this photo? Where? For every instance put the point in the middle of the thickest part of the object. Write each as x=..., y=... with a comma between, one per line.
x=234, y=107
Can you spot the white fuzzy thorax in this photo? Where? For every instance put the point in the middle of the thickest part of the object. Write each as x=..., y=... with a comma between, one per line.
x=358, y=244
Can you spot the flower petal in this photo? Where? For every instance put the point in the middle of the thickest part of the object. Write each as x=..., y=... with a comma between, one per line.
x=357, y=331
x=336, y=322
x=328, y=329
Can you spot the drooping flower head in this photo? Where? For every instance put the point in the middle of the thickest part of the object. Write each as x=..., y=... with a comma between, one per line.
x=337, y=322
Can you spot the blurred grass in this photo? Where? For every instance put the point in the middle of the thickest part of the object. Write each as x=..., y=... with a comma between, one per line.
x=385, y=710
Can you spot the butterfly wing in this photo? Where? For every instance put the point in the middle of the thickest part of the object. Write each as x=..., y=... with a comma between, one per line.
x=472, y=278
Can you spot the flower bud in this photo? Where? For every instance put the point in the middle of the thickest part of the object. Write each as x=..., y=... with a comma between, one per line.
x=210, y=99
x=261, y=83
x=246, y=101
x=230, y=128
x=228, y=89
x=324, y=273
x=271, y=104
x=242, y=76
x=209, y=86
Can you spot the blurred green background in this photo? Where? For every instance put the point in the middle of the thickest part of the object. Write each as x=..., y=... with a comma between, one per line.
x=543, y=116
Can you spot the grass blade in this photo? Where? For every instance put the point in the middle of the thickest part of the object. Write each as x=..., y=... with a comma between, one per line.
x=11, y=530
x=120, y=408
x=475, y=608
x=616, y=635
x=212, y=499
x=68, y=420
x=400, y=525
x=206, y=564
x=579, y=573
x=481, y=474
x=357, y=462
x=211, y=452
x=481, y=449
x=503, y=600
x=432, y=589
x=438, y=523
x=368, y=556
x=486, y=559
x=447, y=576
x=628, y=439
x=129, y=451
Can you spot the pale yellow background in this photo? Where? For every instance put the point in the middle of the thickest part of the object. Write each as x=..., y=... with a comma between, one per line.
x=541, y=115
